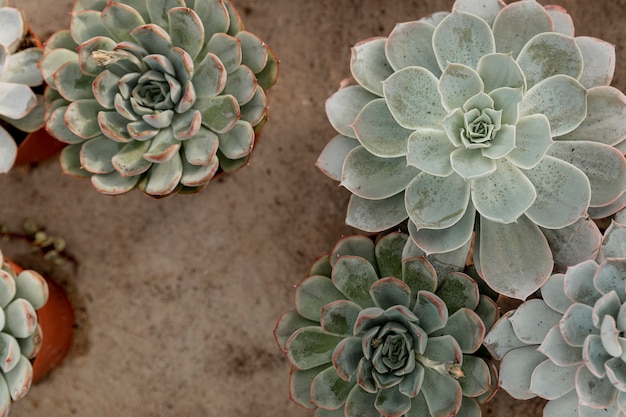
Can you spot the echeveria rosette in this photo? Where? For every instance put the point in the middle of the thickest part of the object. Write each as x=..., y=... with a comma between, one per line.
x=569, y=347
x=20, y=107
x=491, y=119
x=374, y=334
x=156, y=94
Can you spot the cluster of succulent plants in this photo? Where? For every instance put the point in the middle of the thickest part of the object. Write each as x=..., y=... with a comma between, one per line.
x=21, y=336
x=159, y=95
x=21, y=109
x=485, y=122
x=375, y=333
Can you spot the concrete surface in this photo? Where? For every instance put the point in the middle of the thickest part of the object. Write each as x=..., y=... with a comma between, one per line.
x=176, y=298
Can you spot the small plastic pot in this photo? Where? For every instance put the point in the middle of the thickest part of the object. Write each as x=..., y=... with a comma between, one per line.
x=56, y=319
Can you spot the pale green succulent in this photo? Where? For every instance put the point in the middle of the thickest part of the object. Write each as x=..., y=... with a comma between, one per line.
x=375, y=334
x=21, y=336
x=570, y=346
x=155, y=94
x=20, y=107
x=491, y=119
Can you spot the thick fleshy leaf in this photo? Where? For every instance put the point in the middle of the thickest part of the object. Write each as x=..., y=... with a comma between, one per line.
x=462, y=38
x=375, y=178
x=376, y=215
x=331, y=160
x=577, y=324
x=553, y=293
x=476, y=378
x=502, y=339
x=389, y=254
x=287, y=324
x=417, y=38
x=198, y=175
x=517, y=23
x=392, y=403
x=458, y=291
x=516, y=371
x=390, y=291
x=338, y=317
x=186, y=30
x=419, y=274
x=220, y=113
x=21, y=67
x=353, y=276
x=19, y=379
x=488, y=311
x=369, y=65
x=579, y=285
x=562, y=20
x=485, y=9
x=209, y=77
x=466, y=328
x=500, y=70
x=549, y=54
x=163, y=147
x=599, y=58
x=429, y=150
x=505, y=250
x=96, y=154
x=413, y=98
x=8, y=152
x=200, y=149
x=574, y=244
x=551, y=381
x=153, y=38
x=562, y=99
x=328, y=390
x=114, y=183
x=214, y=16
x=431, y=311
x=532, y=140
x=457, y=84
x=610, y=277
x=16, y=100
x=268, y=77
x=228, y=50
x=164, y=177
x=379, y=132
x=347, y=355
x=593, y=391
x=616, y=372
x=254, y=53
x=507, y=100
x=595, y=355
x=533, y=320
x=471, y=163
x=445, y=240
x=237, y=142
x=360, y=403
x=437, y=202
x=300, y=385
x=312, y=294
x=158, y=10
x=310, y=347
x=105, y=87
x=53, y=60
x=118, y=18
x=504, y=195
x=556, y=348
x=86, y=25
x=241, y=84
x=360, y=246
x=442, y=393
x=129, y=160
x=70, y=161
x=87, y=54
x=81, y=118
x=343, y=107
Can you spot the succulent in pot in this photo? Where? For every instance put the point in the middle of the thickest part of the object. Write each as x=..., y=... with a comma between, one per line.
x=373, y=333
x=492, y=124
x=568, y=346
x=21, y=108
x=158, y=95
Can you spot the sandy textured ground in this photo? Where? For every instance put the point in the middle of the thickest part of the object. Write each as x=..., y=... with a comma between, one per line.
x=176, y=298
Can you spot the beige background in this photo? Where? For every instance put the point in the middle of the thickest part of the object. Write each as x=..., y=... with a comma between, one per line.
x=176, y=299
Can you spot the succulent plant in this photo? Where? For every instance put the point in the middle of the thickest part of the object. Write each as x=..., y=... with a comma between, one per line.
x=490, y=119
x=21, y=337
x=21, y=109
x=375, y=334
x=156, y=94
x=568, y=347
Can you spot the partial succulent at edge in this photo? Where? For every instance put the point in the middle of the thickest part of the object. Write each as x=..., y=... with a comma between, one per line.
x=20, y=107
x=374, y=334
x=570, y=346
x=21, y=337
x=154, y=94
x=493, y=121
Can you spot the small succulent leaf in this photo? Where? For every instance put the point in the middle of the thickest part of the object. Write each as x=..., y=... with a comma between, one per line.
x=592, y=391
x=96, y=154
x=268, y=77
x=81, y=118
x=389, y=254
x=236, y=24
x=32, y=121
x=562, y=21
x=494, y=387
x=507, y=100
x=443, y=349
x=343, y=107
x=164, y=177
x=21, y=67
x=105, y=87
x=561, y=98
x=241, y=84
x=437, y=202
x=300, y=385
x=469, y=408
x=458, y=291
x=88, y=63
x=153, y=38
x=566, y=406
x=369, y=65
x=472, y=164
x=458, y=84
x=312, y=294
x=158, y=10
x=21, y=318
x=198, y=175
x=7, y=289
x=516, y=371
x=375, y=215
x=61, y=39
x=502, y=339
x=353, y=276
x=19, y=378
x=209, y=77
x=321, y=266
x=8, y=152
x=574, y=244
x=429, y=150
x=494, y=203
x=413, y=98
x=338, y=317
x=253, y=50
x=332, y=158
x=462, y=38
x=431, y=311
x=228, y=49
x=70, y=161
x=364, y=376
x=556, y=348
x=414, y=36
x=610, y=336
x=375, y=178
x=446, y=240
x=163, y=147
x=419, y=274
x=608, y=305
x=214, y=16
x=485, y=9
x=310, y=347
x=113, y=183
x=287, y=325
x=500, y=70
x=221, y=113
x=548, y=54
x=488, y=311
x=117, y=18
x=442, y=393
x=346, y=357
x=508, y=275
x=391, y=402
x=614, y=242
x=616, y=372
x=361, y=246
x=238, y=141
x=186, y=30
x=577, y=324
x=390, y=291
x=14, y=24
x=86, y=25
x=31, y=345
x=610, y=277
x=476, y=379
x=605, y=121
x=200, y=149
x=10, y=352
x=466, y=328
x=579, y=285
x=129, y=160
x=16, y=100
x=378, y=131
x=533, y=320
x=328, y=390
x=551, y=381
x=419, y=407
x=532, y=141
x=53, y=60
x=360, y=403
x=517, y=23
x=599, y=58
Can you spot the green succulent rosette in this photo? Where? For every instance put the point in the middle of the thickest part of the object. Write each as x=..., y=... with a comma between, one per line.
x=156, y=94
x=491, y=121
x=570, y=347
x=374, y=334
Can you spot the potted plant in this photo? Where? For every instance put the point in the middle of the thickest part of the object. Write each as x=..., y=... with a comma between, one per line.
x=158, y=96
x=22, y=137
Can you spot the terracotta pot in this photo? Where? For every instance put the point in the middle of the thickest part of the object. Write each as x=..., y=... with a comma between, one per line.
x=36, y=147
x=56, y=318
